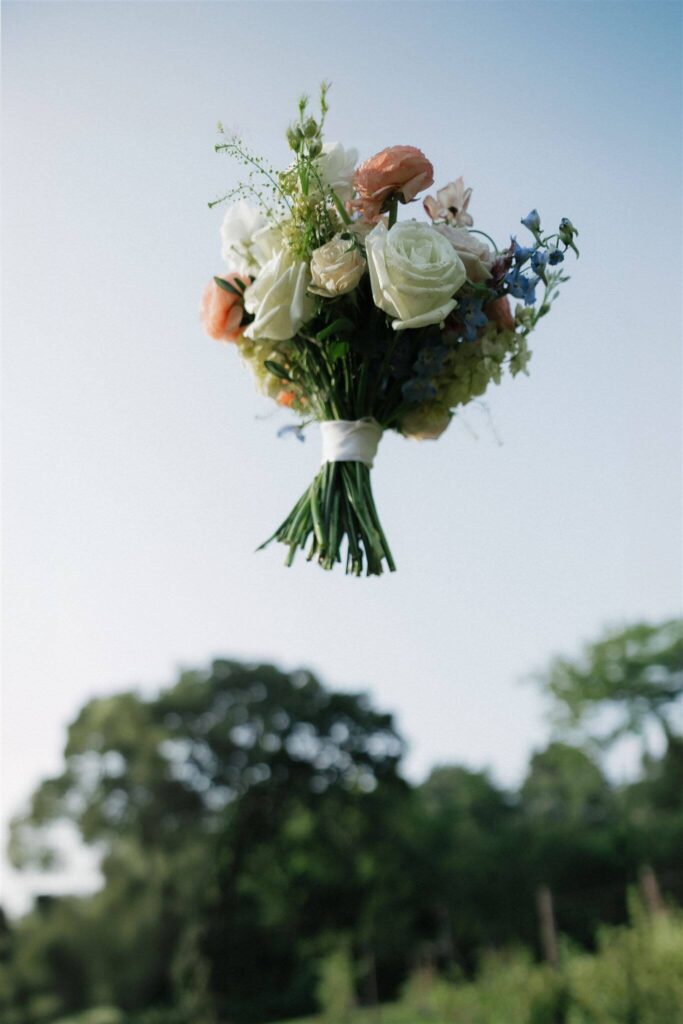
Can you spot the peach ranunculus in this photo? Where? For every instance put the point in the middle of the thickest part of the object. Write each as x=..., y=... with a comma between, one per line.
x=222, y=311
x=401, y=171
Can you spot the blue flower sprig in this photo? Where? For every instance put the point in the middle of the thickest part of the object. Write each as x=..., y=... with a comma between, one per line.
x=548, y=251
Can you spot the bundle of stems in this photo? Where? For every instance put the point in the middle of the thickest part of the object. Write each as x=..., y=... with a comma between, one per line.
x=336, y=519
x=338, y=505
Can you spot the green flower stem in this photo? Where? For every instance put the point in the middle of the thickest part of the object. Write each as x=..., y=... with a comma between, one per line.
x=476, y=231
x=338, y=505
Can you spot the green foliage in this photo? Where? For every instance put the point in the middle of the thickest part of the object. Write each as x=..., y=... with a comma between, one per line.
x=620, y=685
x=248, y=818
x=97, y=1015
x=336, y=990
x=636, y=976
x=564, y=784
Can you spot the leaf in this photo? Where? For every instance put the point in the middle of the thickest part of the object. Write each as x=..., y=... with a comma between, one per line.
x=339, y=326
x=338, y=350
x=227, y=287
x=341, y=209
x=276, y=370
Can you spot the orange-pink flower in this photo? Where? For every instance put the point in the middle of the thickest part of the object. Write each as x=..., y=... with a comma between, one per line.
x=500, y=312
x=285, y=398
x=222, y=311
x=401, y=171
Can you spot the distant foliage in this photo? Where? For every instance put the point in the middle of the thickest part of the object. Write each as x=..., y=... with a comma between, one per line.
x=336, y=989
x=263, y=857
x=634, y=977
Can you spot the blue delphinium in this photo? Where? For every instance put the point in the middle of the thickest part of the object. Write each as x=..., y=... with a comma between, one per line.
x=532, y=221
x=521, y=287
x=472, y=316
x=539, y=260
x=430, y=361
x=296, y=430
x=555, y=256
x=521, y=253
x=418, y=390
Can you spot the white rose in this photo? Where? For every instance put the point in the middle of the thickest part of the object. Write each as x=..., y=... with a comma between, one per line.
x=336, y=167
x=249, y=239
x=414, y=273
x=278, y=299
x=474, y=253
x=336, y=267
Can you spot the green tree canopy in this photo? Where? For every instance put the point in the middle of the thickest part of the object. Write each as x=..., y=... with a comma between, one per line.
x=159, y=768
x=565, y=785
x=624, y=683
x=239, y=813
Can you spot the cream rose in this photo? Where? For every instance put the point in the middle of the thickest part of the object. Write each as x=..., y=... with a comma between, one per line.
x=336, y=267
x=474, y=253
x=278, y=299
x=414, y=273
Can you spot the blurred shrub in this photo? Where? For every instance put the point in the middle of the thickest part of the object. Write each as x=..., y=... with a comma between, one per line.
x=509, y=987
x=336, y=989
x=97, y=1015
x=636, y=975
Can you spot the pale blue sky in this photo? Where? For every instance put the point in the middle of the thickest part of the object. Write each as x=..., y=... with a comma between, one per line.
x=141, y=469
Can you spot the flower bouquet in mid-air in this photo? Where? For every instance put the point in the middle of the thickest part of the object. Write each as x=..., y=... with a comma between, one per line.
x=364, y=323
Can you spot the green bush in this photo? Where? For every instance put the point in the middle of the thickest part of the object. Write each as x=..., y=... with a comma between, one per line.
x=635, y=977
x=97, y=1015
x=509, y=987
x=336, y=990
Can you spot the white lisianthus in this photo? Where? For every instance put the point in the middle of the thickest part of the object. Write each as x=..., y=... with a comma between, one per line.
x=414, y=273
x=336, y=167
x=336, y=267
x=278, y=299
x=249, y=239
x=474, y=253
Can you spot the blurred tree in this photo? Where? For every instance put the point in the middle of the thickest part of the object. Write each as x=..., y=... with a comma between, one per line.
x=565, y=785
x=629, y=683
x=250, y=822
x=624, y=684
x=303, y=849
x=240, y=807
x=468, y=844
x=574, y=839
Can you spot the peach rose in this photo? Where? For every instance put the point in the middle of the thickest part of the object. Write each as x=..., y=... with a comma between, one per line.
x=500, y=312
x=401, y=171
x=222, y=311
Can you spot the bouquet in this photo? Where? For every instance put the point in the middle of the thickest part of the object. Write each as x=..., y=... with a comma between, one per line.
x=362, y=322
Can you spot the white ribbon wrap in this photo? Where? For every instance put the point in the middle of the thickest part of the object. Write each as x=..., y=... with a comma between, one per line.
x=350, y=440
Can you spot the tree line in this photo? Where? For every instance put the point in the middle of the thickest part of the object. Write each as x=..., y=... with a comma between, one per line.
x=251, y=820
